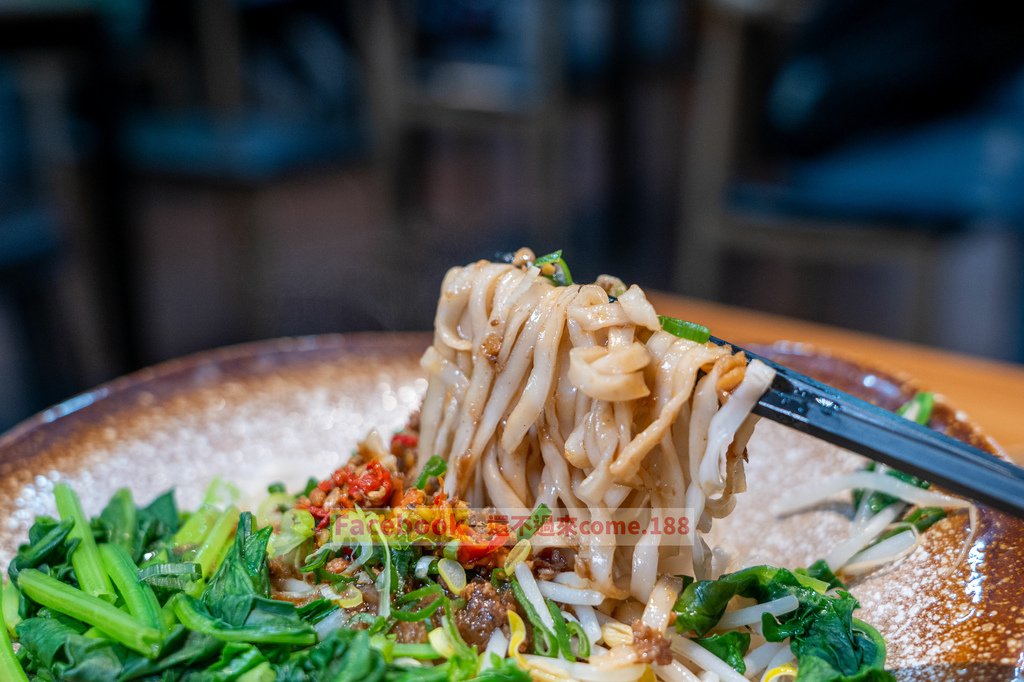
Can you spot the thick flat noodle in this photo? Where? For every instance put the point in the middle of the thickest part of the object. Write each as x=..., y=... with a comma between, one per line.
x=560, y=395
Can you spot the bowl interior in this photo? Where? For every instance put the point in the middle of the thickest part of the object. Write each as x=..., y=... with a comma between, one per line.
x=289, y=409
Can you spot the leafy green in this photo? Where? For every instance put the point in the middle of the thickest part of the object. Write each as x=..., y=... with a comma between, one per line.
x=819, y=570
x=269, y=622
x=731, y=647
x=119, y=523
x=47, y=546
x=922, y=403
x=823, y=637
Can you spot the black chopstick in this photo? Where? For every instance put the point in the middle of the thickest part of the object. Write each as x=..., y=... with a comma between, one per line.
x=814, y=408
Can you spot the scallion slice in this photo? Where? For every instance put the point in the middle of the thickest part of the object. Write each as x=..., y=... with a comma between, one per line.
x=560, y=274
x=685, y=330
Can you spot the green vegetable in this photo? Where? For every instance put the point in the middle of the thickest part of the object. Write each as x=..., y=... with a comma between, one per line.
x=120, y=520
x=46, y=546
x=10, y=605
x=10, y=668
x=923, y=404
x=561, y=632
x=431, y=590
x=545, y=642
x=65, y=654
x=435, y=466
x=537, y=519
x=921, y=518
x=137, y=595
x=297, y=526
x=877, y=501
x=80, y=605
x=731, y=647
x=819, y=570
x=209, y=554
x=270, y=622
x=827, y=645
x=685, y=330
x=561, y=275
x=582, y=641
x=171, y=576
x=85, y=558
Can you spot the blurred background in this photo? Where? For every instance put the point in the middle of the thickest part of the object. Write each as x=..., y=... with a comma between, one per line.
x=182, y=174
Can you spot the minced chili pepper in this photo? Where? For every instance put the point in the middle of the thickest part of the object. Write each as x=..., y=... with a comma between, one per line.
x=407, y=440
x=374, y=479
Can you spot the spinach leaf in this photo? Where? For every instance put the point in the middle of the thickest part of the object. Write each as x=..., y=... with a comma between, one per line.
x=731, y=647
x=819, y=570
x=48, y=545
x=829, y=644
x=243, y=575
x=54, y=647
x=181, y=651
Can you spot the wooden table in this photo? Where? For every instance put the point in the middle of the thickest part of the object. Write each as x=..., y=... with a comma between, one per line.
x=991, y=393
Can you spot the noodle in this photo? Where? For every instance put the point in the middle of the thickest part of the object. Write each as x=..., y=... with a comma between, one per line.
x=561, y=395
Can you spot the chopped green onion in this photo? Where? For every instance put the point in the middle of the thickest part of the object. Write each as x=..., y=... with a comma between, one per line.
x=86, y=557
x=432, y=590
x=435, y=466
x=276, y=487
x=544, y=641
x=685, y=330
x=533, y=524
x=582, y=641
x=560, y=274
x=561, y=631
x=919, y=408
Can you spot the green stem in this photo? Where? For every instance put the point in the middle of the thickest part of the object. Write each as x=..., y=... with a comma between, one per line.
x=138, y=596
x=423, y=652
x=10, y=668
x=115, y=623
x=195, y=529
x=10, y=602
x=86, y=557
x=213, y=548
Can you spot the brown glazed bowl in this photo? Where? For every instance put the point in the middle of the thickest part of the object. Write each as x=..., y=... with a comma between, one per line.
x=289, y=409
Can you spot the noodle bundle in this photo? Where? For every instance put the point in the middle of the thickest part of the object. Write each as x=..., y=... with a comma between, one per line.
x=578, y=400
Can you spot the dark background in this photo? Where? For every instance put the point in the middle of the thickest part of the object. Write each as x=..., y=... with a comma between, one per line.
x=181, y=174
